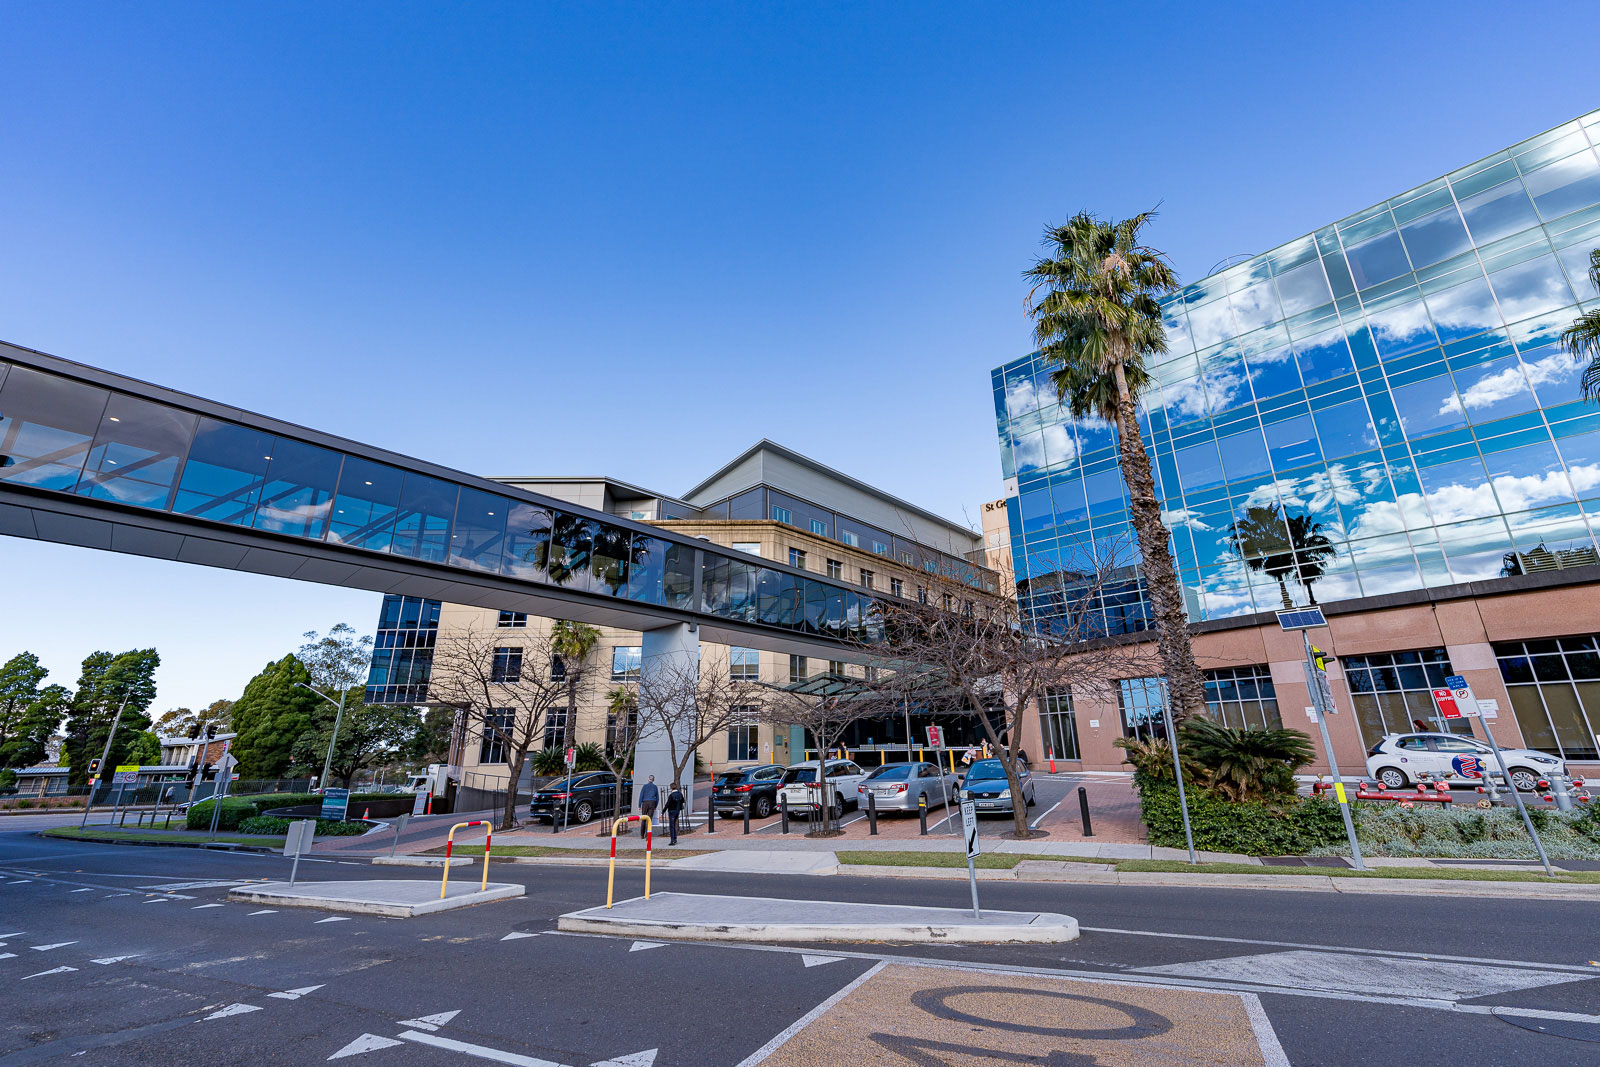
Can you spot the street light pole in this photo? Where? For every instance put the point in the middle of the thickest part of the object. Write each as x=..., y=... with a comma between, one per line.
x=327, y=763
x=105, y=755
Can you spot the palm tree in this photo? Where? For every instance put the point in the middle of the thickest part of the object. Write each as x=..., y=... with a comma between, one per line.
x=1582, y=338
x=572, y=641
x=1097, y=318
x=1247, y=764
x=1274, y=543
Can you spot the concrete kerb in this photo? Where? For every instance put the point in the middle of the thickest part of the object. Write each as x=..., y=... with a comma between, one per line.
x=696, y=917
x=395, y=898
x=422, y=861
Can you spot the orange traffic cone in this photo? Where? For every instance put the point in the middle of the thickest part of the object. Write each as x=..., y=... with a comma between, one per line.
x=367, y=814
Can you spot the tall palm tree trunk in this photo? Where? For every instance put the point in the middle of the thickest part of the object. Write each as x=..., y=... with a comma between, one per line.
x=1185, y=686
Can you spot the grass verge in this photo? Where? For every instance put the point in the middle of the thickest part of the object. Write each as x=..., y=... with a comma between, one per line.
x=157, y=837
x=989, y=861
x=540, y=851
x=1453, y=874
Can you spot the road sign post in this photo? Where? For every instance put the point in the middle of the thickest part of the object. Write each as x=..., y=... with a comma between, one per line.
x=302, y=832
x=969, y=829
x=224, y=776
x=335, y=804
x=1461, y=696
x=1304, y=620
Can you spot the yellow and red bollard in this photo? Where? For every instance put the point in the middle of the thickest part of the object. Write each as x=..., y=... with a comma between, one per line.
x=611, y=872
x=449, y=844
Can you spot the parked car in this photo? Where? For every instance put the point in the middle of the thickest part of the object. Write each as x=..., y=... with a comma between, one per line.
x=801, y=788
x=899, y=786
x=755, y=788
x=581, y=798
x=986, y=779
x=1398, y=760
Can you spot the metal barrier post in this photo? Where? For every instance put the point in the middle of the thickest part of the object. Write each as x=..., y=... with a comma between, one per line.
x=711, y=814
x=611, y=872
x=747, y=818
x=449, y=845
x=783, y=813
x=400, y=828
x=1083, y=806
x=872, y=814
x=922, y=813
x=649, y=847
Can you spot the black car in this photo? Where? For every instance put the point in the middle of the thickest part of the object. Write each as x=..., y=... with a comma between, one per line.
x=581, y=798
x=753, y=787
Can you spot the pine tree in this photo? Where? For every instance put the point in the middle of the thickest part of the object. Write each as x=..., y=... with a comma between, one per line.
x=106, y=681
x=19, y=688
x=270, y=716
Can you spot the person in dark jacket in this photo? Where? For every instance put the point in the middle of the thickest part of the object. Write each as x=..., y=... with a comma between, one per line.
x=649, y=797
x=674, y=806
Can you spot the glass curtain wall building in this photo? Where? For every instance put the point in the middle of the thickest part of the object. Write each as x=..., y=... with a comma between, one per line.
x=1378, y=406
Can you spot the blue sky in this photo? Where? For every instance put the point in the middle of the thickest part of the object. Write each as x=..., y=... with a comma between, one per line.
x=633, y=239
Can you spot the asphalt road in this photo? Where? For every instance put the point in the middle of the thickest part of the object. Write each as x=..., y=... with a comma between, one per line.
x=121, y=955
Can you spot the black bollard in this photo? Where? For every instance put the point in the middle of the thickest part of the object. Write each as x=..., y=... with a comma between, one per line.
x=872, y=814
x=1083, y=806
x=711, y=815
x=922, y=813
x=747, y=817
x=783, y=813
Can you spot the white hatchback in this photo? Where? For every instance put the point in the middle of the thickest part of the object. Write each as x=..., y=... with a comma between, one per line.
x=801, y=789
x=1400, y=759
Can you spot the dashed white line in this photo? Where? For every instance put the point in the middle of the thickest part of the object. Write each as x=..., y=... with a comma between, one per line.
x=89, y=889
x=201, y=907
x=47, y=948
x=333, y=919
x=265, y=911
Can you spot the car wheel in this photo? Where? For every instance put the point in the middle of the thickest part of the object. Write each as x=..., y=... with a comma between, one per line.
x=1031, y=800
x=1393, y=778
x=1524, y=780
x=837, y=812
x=583, y=812
x=763, y=807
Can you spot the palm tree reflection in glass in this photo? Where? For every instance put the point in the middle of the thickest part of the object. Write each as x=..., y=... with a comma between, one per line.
x=1277, y=545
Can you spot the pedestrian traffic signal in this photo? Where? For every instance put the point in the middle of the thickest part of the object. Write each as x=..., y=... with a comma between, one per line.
x=194, y=772
x=1319, y=658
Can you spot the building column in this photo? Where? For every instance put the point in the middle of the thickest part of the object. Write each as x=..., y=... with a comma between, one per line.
x=673, y=649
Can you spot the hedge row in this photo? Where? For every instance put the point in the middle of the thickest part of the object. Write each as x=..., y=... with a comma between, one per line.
x=1250, y=828
x=236, y=809
x=273, y=824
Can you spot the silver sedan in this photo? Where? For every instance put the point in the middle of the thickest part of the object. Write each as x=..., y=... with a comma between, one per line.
x=899, y=786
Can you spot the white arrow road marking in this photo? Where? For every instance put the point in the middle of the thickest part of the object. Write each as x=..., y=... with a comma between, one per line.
x=107, y=960
x=157, y=900
x=295, y=994
x=333, y=919
x=199, y=907
x=818, y=961
x=514, y=936
x=480, y=1051
x=58, y=944
x=90, y=889
x=640, y=946
x=8, y=955
x=265, y=911
x=365, y=1043
x=637, y=1059
x=53, y=970
x=20, y=881
x=231, y=1009
x=430, y=1022
x=14, y=933
x=110, y=895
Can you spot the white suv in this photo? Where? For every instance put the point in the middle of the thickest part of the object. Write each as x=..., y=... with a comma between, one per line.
x=801, y=790
x=1399, y=759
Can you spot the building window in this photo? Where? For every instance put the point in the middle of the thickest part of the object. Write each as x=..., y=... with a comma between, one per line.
x=850, y=538
x=555, y=726
x=782, y=515
x=1059, y=725
x=871, y=673
x=625, y=662
x=949, y=602
x=1391, y=692
x=836, y=666
x=922, y=594
x=751, y=547
x=897, y=587
x=967, y=608
x=402, y=654
x=1142, y=702
x=797, y=558
x=1243, y=698
x=797, y=668
x=866, y=578
x=492, y=749
x=558, y=669
x=744, y=664
x=507, y=666
x=743, y=740
x=819, y=527
x=622, y=732
x=1555, y=692
x=879, y=548
x=513, y=618
x=835, y=569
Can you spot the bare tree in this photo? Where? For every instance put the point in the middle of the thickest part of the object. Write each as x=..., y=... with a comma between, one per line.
x=503, y=688
x=691, y=702
x=982, y=656
x=826, y=712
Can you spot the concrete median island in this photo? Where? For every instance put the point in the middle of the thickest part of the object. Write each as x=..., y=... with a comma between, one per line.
x=396, y=898
x=691, y=916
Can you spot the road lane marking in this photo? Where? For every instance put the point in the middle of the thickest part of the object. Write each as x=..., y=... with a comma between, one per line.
x=1034, y=825
x=8, y=955
x=295, y=994
x=640, y=946
x=231, y=1010
x=647, y=1058
x=365, y=1043
x=201, y=907
x=430, y=1022
x=514, y=935
x=818, y=961
x=47, y=948
x=53, y=970
x=483, y=1052
x=809, y=1017
x=89, y=889
x=265, y=911
x=333, y=919
x=1345, y=972
x=107, y=960
x=1266, y=1036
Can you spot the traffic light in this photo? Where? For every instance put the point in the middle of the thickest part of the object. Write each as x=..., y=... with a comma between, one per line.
x=206, y=772
x=94, y=768
x=1320, y=658
x=193, y=774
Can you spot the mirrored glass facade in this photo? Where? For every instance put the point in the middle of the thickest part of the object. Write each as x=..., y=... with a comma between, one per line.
x=1378, y=406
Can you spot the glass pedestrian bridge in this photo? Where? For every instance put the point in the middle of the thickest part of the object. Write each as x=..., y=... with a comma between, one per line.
x=92, y=458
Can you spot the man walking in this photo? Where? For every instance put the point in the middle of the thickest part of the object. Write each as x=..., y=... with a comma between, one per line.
x=674, y=806
x=649, y=797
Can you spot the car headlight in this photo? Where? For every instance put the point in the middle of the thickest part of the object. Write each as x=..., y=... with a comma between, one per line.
x=1005, y=794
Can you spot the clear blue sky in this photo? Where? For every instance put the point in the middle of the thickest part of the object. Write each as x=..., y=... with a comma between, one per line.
x=632, y=239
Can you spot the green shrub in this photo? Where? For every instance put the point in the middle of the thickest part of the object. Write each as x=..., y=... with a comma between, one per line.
x=279, y=826
x=1470, y=833
x=234, y=811
x=256, y=803
x=1251, y=828
x=1245, y=764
